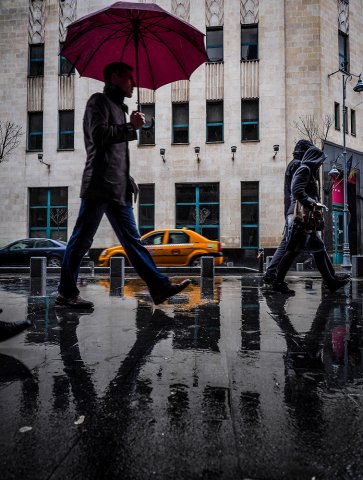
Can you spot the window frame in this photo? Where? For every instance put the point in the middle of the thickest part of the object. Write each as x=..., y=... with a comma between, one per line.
x=345, y=56
x=176, y=126
x=197, y=226
x=35, y=133
x=64, y=63
x=48, y=229
x=31, y=60
x=65, y=132
x=250, y=122
x=245, y=27
x=215, y=124
x=251, y=225
x=145, y=133
x=337, y=125
x=353, y=124
x=149, y=228
x=208, y=46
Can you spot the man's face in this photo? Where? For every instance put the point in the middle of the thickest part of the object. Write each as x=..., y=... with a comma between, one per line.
x=125, y=82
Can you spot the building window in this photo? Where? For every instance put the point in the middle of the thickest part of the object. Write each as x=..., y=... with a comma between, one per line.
x=215, y=44
x=197, y=208
x=146, y=208
x=147, y=137
x=214, y=121
x=35, y=131
x=353, y=129
x=249, y=120
x=343, y=41
x=65, y=66
x=249, y=215
x=48, y=212
x=337, y=116
x=180, y=123
x=36, y=60
x=66, y=130
x=249, y=42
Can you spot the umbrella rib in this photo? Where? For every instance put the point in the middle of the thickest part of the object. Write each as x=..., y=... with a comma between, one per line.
x=153, y=34
x=97, y=49
x=172, y=54
x=148, y=60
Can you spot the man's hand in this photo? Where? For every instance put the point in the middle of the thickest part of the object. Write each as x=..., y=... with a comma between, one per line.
x=320, y=205
x=137, y=119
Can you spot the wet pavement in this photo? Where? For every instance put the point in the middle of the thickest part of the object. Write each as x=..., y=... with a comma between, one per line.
x=234, y=383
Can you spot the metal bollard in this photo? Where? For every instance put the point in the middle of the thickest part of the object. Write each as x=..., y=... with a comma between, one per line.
x=117, y=276
x=299, y=267
x=38, y=276
x=38, y=267
x=207, y=267
x=261, y=258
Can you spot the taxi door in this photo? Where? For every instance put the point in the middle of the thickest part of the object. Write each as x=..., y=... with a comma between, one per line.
x=177, y=248
x=154, y=243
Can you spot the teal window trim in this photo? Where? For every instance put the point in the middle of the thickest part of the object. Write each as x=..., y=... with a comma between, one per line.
x=148, y=227
x=249, y=44
x=197, y=226
x=47, y=229
x=251, y=225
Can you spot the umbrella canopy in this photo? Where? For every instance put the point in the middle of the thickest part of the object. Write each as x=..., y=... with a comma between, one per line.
x=161, y=47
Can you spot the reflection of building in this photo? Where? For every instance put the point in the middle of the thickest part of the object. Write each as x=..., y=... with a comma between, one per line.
x=228, y=103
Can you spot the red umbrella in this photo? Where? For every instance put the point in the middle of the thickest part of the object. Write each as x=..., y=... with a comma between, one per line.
x=161, y=47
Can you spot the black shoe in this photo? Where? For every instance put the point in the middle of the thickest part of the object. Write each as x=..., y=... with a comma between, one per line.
x=73, y=302
x=282, y=287
x=268, y=278
x=342, y=276
x=336, y=284
x=169, y=291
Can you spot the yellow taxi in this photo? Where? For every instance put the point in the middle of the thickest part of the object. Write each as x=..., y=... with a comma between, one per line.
x=171, y=247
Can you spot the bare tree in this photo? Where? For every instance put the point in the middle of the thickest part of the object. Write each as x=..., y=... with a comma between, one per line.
x=58, y=216
x=10, y=134
x=310, y=127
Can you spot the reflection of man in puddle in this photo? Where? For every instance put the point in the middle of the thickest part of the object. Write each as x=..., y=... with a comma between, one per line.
x=310, y=362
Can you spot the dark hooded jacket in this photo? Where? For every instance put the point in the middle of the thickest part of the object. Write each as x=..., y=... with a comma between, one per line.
x=305, y=185
x=300, y=148
x=106, y=175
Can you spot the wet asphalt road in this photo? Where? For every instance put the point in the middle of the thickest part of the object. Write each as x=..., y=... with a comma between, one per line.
x=237, y=383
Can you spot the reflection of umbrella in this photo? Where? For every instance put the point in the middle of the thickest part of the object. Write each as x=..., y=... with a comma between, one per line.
x=161, y=47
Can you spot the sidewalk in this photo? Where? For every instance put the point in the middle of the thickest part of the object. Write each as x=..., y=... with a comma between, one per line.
x=233, y=383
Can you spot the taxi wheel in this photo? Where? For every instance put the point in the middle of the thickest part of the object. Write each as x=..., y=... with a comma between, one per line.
x=196, y=262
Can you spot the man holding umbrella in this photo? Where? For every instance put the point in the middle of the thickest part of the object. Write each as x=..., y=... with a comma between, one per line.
x=107, y=188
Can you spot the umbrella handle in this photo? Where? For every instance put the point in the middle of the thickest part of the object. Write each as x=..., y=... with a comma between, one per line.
x=149, y=127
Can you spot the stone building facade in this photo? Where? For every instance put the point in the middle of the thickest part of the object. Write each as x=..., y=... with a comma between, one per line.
x=271, y=61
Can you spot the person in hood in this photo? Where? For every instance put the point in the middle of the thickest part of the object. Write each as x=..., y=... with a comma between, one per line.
x=107, y=188
x=305, y=187
x=300, y=148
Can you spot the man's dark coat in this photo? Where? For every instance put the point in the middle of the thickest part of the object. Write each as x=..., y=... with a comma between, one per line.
x=106, y=175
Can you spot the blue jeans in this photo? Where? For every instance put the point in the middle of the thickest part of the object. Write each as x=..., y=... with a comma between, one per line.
x=123, y=222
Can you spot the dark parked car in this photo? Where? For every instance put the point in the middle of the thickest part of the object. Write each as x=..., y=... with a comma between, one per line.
x=19, y=253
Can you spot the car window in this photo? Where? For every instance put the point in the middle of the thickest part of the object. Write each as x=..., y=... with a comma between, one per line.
x=154, y=239
x=178, y=237
x=44, y=244
x=21, y=245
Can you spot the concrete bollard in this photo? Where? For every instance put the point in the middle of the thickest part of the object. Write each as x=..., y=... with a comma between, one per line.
x=299, y=267
x=117, y=276
x=357, y=265
x=38, y=276
x=207, y=267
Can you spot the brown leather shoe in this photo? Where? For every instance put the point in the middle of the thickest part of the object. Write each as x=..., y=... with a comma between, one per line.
x=169, y=291
x=73, y=302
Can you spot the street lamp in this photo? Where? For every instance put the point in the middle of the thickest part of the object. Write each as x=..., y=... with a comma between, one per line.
x=358, y=88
